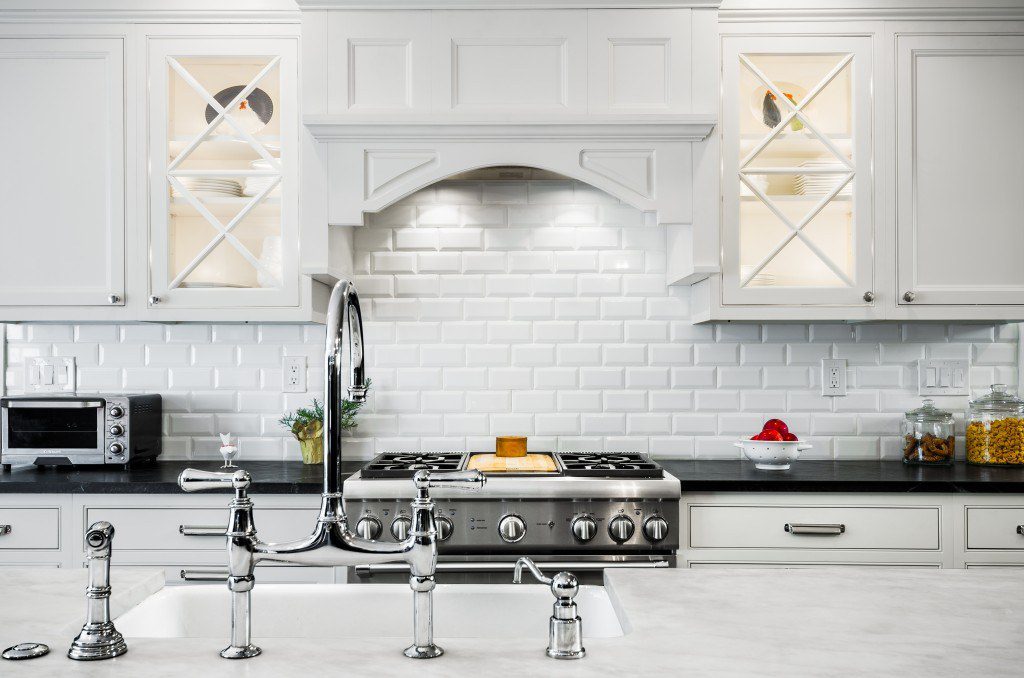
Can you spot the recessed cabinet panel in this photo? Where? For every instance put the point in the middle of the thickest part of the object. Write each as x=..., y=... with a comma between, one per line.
x=62, y=186
x=796, y=129
x=223, y=195
x=960, y=169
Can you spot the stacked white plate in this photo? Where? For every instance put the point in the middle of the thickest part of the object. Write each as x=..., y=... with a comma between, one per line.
x=822, y=184
x=255, y=185
x=210, y=187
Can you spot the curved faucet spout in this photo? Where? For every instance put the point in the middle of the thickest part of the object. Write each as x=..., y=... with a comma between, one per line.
x=344, y=333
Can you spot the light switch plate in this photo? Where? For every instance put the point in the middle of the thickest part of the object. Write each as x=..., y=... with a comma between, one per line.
x=293, y=370
x=833, y=377
x=50, y=375
x=944, y=377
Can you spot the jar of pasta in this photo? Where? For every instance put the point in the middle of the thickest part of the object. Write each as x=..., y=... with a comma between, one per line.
x=995, y=429
x=928, y=435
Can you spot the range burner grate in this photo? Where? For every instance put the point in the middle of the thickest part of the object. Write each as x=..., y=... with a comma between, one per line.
x=405, y=464
x=609, y=465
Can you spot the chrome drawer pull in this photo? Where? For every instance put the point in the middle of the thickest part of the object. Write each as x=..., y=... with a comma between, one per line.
x=202, y=530
x=204, y=574
x=815, y=528
x=1020, y=529
x=5, y=529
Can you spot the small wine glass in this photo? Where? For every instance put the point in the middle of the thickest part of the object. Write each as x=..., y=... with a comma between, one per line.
x=228, y=450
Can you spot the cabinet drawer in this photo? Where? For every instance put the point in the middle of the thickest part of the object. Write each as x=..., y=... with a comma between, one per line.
x=161, y=529
x=994, y=528
x=814, y=527
x=29, y=528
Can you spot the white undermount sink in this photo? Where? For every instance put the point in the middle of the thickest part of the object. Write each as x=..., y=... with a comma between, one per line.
x=364, y=611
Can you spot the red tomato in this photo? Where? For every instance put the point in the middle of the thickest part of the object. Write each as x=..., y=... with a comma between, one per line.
x=789, y=437
x=775, y=425
x=774, y=436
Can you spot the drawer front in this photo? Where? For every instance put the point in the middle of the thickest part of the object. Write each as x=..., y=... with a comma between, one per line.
x=995, y=528
x=814, y=527
x=29, y=528
x=161, y=529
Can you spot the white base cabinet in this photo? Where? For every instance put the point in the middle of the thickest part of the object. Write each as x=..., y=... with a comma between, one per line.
x=725, y=529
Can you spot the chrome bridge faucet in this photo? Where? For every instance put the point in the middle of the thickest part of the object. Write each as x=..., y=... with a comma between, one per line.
x=332, y=543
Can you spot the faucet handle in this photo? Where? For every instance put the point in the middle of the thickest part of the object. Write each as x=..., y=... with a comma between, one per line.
x=195, y=480
x=460, y=480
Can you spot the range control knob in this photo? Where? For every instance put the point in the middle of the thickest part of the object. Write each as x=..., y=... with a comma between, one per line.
x=116, y=412
x=368, y=528
x=620, y=529
x=584, y=528
x=444, y=528
x=117, y=430
x=116, y=449
x=655, y=529
x=400, y=528
x=512, y=529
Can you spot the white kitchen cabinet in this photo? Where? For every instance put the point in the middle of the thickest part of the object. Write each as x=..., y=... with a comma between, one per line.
x=62, y=178
x=797, y=157
x=223, y=178
x=959, y=169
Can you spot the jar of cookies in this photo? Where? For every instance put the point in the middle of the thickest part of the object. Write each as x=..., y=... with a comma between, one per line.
x=928, y=435
x=995, y=429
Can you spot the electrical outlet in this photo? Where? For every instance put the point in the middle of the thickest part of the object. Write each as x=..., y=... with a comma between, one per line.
x=50, y=375
x=833, y=376
x=944, y=377
x=294, y=370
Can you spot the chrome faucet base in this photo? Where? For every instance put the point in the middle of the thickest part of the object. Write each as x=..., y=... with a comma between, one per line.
x=97, y=641
x=242, y=652
x=423, y=651
x=567, y=654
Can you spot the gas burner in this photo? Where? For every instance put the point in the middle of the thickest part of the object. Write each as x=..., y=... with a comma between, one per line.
x=611, y=465
x=405, y=464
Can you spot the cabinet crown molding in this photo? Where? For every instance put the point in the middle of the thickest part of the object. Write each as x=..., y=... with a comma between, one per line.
x=844, y=10
x=506, y=4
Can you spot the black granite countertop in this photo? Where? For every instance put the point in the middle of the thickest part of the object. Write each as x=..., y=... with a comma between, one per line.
x=293, y=477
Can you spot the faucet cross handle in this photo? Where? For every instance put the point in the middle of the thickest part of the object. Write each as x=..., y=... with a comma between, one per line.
x=459, y=480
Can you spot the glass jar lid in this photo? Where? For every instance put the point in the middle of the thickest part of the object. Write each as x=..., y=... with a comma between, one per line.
x=998, y=400
x=928, y=412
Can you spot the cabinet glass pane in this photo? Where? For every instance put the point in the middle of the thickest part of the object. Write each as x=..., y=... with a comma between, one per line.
x=224, y=172
x=796, y=170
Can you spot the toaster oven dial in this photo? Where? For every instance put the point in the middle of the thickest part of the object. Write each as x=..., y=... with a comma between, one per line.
x=117, y=430
x=584, y=528
x=116, y=412
x=620, y=529
x=116, y=449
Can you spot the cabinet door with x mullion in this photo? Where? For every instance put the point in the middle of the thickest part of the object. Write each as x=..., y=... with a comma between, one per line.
x=797, y=187
x=223, y=206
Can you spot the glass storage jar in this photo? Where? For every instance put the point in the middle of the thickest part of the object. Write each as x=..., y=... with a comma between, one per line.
x=995, y=429
x=928, y=435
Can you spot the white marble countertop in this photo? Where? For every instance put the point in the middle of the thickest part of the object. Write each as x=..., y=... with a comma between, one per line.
x=877, y=622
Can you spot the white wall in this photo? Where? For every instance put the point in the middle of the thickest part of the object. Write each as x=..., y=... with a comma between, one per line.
x=528, y=307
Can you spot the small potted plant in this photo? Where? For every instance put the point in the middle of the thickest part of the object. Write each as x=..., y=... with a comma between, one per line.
x=307, y=425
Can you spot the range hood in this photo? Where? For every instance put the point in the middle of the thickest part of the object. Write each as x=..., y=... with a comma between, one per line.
x=622, y=99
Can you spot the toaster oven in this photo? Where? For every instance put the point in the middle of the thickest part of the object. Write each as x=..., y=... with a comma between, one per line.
x=80, y=430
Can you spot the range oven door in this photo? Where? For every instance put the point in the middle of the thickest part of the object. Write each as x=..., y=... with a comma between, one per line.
x=498, y=569
x=52, y=430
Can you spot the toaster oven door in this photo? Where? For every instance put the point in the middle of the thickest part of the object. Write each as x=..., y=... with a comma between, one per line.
x=50, y=430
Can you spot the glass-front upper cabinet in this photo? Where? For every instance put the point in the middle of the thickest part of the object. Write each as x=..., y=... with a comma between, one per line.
x=223, y=146
x=796, y=127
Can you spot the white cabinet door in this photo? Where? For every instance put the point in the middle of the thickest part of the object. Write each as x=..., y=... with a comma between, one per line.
x=797, y=184
x=223, y=138
x=62, y=185
x=959, y=169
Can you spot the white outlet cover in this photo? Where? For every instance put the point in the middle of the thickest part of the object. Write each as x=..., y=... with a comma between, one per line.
x=943, y=377
x=839, y=365
x=50, y=375
x=293, y=374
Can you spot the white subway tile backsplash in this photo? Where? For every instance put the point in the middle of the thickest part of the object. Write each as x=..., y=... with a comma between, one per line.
x=535, y=308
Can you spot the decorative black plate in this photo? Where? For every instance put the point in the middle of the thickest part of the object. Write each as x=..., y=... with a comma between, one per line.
x=258, y=101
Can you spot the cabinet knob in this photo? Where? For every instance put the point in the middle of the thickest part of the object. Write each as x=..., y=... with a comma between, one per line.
x=869, y=296
x=154, y=300
x=909, y=296
x=114, y=299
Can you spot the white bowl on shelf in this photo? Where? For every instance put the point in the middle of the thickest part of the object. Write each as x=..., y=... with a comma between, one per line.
x=771, y=455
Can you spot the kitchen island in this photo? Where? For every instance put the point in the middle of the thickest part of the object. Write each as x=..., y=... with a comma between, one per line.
x=838, y=622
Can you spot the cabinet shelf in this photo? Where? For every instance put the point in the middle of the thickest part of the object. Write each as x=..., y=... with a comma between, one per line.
x=227, y=207
x=795, y=198
x=222, y=147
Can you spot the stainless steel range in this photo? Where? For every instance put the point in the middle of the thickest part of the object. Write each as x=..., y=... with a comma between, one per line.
x=592, y=512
